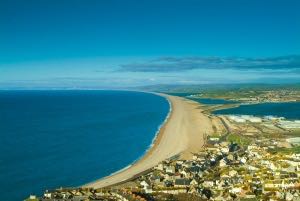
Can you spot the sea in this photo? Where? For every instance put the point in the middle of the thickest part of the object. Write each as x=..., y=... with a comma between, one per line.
x=50, y=139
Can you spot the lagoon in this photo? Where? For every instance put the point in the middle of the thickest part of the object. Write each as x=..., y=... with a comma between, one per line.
x=289, y=110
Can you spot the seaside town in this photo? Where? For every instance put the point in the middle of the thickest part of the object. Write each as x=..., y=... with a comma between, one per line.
x=222, y=171
x=247, y=158
x=254, y=95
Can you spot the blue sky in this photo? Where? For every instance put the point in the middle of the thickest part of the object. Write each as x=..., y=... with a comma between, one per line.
x=116, y=43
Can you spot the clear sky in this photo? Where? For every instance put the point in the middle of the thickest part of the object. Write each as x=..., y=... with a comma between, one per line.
x=120, y=43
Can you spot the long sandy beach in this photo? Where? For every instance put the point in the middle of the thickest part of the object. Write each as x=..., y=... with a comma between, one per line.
x=182, y=134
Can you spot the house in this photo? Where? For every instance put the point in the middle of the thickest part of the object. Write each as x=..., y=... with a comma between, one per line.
x=194, y=169
x=168, y=176
x=32, y=198
x=208, y=183
x=250, y=195
x=225, y=150
x=235, y=190
x=160, y=167
x=48, y=194
x=182, y=182
x=146, y=186
x=222, y=163
x=194, y=182
x=230, y=157
x=168, y=183
x=224, y=176
x=156, y=178
x=184, y=173
x=213, y=140
x=193, y=190
x=243, y=160
x=289, y=196
x=232, y=173
x=291, y=169
x=200, y=174
x=170, y=169
x=179, y=162
x=67, y=195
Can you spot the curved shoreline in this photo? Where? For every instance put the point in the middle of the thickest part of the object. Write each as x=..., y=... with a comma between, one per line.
x=153, y=142
x=158, y=132
x=181, y=133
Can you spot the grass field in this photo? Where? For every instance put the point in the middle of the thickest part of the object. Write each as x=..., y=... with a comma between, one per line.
x=241, y=140
x=295, y=150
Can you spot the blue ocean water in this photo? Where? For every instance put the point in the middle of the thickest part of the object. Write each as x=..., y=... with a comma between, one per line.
x=68, y=138
x=290, y=110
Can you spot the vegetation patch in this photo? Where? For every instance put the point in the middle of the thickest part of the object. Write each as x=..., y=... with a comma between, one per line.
x=239, y=139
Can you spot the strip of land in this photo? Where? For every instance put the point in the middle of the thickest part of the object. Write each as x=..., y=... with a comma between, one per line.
x=183, y=134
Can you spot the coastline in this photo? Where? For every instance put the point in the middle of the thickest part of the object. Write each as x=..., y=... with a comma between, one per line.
x=153, y=142
x=181, y=133
x=159, y=130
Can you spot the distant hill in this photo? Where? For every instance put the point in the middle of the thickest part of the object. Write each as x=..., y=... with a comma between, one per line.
x=217, y=87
